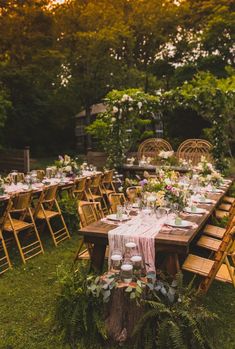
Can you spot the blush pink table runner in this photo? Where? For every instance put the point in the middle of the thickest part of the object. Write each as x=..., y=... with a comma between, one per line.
x=142, y=231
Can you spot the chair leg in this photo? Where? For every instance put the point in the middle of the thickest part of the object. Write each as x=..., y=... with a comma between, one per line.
x=19, y=246
x=36, y=231
x=5, y=262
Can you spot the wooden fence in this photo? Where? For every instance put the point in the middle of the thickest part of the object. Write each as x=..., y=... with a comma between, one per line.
x=15, y=159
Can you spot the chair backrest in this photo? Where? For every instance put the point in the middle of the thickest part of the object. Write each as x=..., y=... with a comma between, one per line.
x=21, y=201
x=5, y=206
x=49, y=193
x=116, y=199
x=80, y=184
x=193, y=149
x=219, y=258
x=40, y=174
x=96, y=181
x=16, y=177
x=152, y=146
x=87, y=213
x=133, y=192
x=108, y=176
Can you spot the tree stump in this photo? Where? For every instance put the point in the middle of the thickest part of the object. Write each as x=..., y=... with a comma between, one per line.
x=122, y=315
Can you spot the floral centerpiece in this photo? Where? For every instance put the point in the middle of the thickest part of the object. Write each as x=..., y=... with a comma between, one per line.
x=130, y=161
x=67, y=165
x=165, y=191
x=186, y=163
x=167, y=158
x=207, y=173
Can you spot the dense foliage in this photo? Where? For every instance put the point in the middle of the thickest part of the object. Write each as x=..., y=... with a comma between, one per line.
x=57, y=60
x=124, y=123
x=171, y=317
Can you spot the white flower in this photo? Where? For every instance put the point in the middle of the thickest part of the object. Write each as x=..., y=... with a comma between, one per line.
x=130, y=109
x=125, y=98
x=165, y=154
x=67, y=159
x=68, y=168
x=113, y=119
x=139, y=105
x=115, y=110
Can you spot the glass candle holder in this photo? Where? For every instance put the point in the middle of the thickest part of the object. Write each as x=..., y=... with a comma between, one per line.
x=127, y=271
x=116, y=260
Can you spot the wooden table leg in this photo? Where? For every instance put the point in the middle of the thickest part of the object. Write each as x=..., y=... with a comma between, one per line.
x=172, y=264
x=97, y=257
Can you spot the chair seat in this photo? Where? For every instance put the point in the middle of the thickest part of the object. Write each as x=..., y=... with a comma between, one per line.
x=49, y=214
x=221, y=214
x=18, y=225
x=202, y=266
x=214, y=231
x=107, y=191
x=225, y=207
x=209, y=243
x=229, y=199
x=94, y=196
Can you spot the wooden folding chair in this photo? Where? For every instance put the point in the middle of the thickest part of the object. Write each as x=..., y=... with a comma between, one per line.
x=16, y=177
x=225, y=210
x=218, y=232
x=220, y=267
x=107, y=186
x=19, y=220
x=116, y=199
x=79, y=188
x=94, y=193
x=47, y=210
x=213, y=241
x=40, y=174
x=88, y=214
x=5, y=262
x=228, y=199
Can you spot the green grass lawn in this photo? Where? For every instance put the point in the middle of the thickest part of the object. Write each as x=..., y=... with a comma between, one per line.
x=28, y=301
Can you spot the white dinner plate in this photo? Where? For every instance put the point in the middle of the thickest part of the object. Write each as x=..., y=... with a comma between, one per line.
x=113, y=217
x=197, y=211
x=184, y=224
x=200, y=201
x=216, y=191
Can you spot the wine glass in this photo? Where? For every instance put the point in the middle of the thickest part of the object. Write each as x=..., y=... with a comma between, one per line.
x=127, y=208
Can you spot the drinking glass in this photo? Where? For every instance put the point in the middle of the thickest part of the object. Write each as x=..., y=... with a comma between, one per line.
x=119, y=213
x=127, y=207
x=160, y=212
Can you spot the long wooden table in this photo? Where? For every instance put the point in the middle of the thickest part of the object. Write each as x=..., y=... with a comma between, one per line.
x=131, y=170
x=173, y=242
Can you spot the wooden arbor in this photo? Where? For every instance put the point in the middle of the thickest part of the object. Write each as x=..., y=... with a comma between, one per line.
x=193, y=149
x=152, y=146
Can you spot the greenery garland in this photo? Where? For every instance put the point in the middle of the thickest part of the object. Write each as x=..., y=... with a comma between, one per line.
x=172, y=315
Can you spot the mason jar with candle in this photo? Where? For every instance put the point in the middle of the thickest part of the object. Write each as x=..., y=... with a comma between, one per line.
x=116, y=260
x=127, y=271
